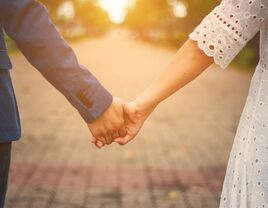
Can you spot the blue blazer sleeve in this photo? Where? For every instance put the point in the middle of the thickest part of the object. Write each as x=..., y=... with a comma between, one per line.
x=28, y=24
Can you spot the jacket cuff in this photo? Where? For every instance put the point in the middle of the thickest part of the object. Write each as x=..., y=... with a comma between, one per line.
x=4, y=60
x=98, y=102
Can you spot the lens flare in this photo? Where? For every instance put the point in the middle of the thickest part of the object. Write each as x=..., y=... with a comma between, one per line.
x=116, y=9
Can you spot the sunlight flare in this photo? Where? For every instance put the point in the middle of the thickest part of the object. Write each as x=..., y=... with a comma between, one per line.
x=66, y=10
x=116, y=9
x=179, y=8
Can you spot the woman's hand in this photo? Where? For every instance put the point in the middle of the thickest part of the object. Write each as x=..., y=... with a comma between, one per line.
x=135, y=116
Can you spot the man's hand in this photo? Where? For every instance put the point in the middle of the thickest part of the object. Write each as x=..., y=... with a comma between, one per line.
x=110, y=125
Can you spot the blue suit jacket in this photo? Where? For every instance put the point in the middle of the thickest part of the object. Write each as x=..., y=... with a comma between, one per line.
x=28, y=24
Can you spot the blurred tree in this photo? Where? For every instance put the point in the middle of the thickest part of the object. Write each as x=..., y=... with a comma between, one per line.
x=156, y=20
x=196, y=11
x=88, y=17
x=53, y=6
x=180, y=27
x=148, y=14
x=91, y=16
x=158, y=15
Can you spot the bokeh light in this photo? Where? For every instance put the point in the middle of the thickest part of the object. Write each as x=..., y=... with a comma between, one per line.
x=66, y=10
x=180, y=10
x=116, y=9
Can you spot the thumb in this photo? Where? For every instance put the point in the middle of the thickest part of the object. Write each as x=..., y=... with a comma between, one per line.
x=123, y=140
x=120, y=140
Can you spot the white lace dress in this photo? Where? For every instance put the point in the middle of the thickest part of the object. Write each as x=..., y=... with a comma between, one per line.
x=221, y=35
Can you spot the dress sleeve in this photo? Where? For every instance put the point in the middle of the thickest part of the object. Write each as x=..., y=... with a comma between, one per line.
x=228, y=28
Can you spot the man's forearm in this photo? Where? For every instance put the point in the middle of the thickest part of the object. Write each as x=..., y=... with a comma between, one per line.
x=28, y=24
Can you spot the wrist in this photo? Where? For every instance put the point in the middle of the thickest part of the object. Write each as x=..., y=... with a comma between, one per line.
x=145, y=104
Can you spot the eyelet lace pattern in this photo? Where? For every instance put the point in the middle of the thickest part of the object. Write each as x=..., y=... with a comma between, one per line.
x=228, y=28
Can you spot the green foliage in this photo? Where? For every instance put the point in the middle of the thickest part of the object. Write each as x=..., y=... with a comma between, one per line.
x=249, y=56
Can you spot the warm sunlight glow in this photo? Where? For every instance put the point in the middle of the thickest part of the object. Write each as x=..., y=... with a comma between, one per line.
x=66, y=10
x=179, y=8
x=116, y=9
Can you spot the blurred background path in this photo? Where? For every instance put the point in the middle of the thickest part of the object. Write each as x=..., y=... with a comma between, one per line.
x=177, y=161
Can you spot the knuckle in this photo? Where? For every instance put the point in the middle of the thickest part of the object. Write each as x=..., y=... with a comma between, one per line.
x=114, y=128
x=109, y=133
x=98, y=131
x=120, y=124
x=108, y=138
x=98, y=135
x=107, y=128
x=123, y=134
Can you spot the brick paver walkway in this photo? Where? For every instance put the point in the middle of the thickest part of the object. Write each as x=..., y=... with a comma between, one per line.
x=178, y=160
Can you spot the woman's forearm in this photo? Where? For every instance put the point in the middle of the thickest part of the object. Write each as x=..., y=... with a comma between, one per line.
x=189, y=62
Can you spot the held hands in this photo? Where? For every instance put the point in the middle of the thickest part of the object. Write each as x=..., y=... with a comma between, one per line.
x=120, y=123
x=135, y=116
x=110, y=125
